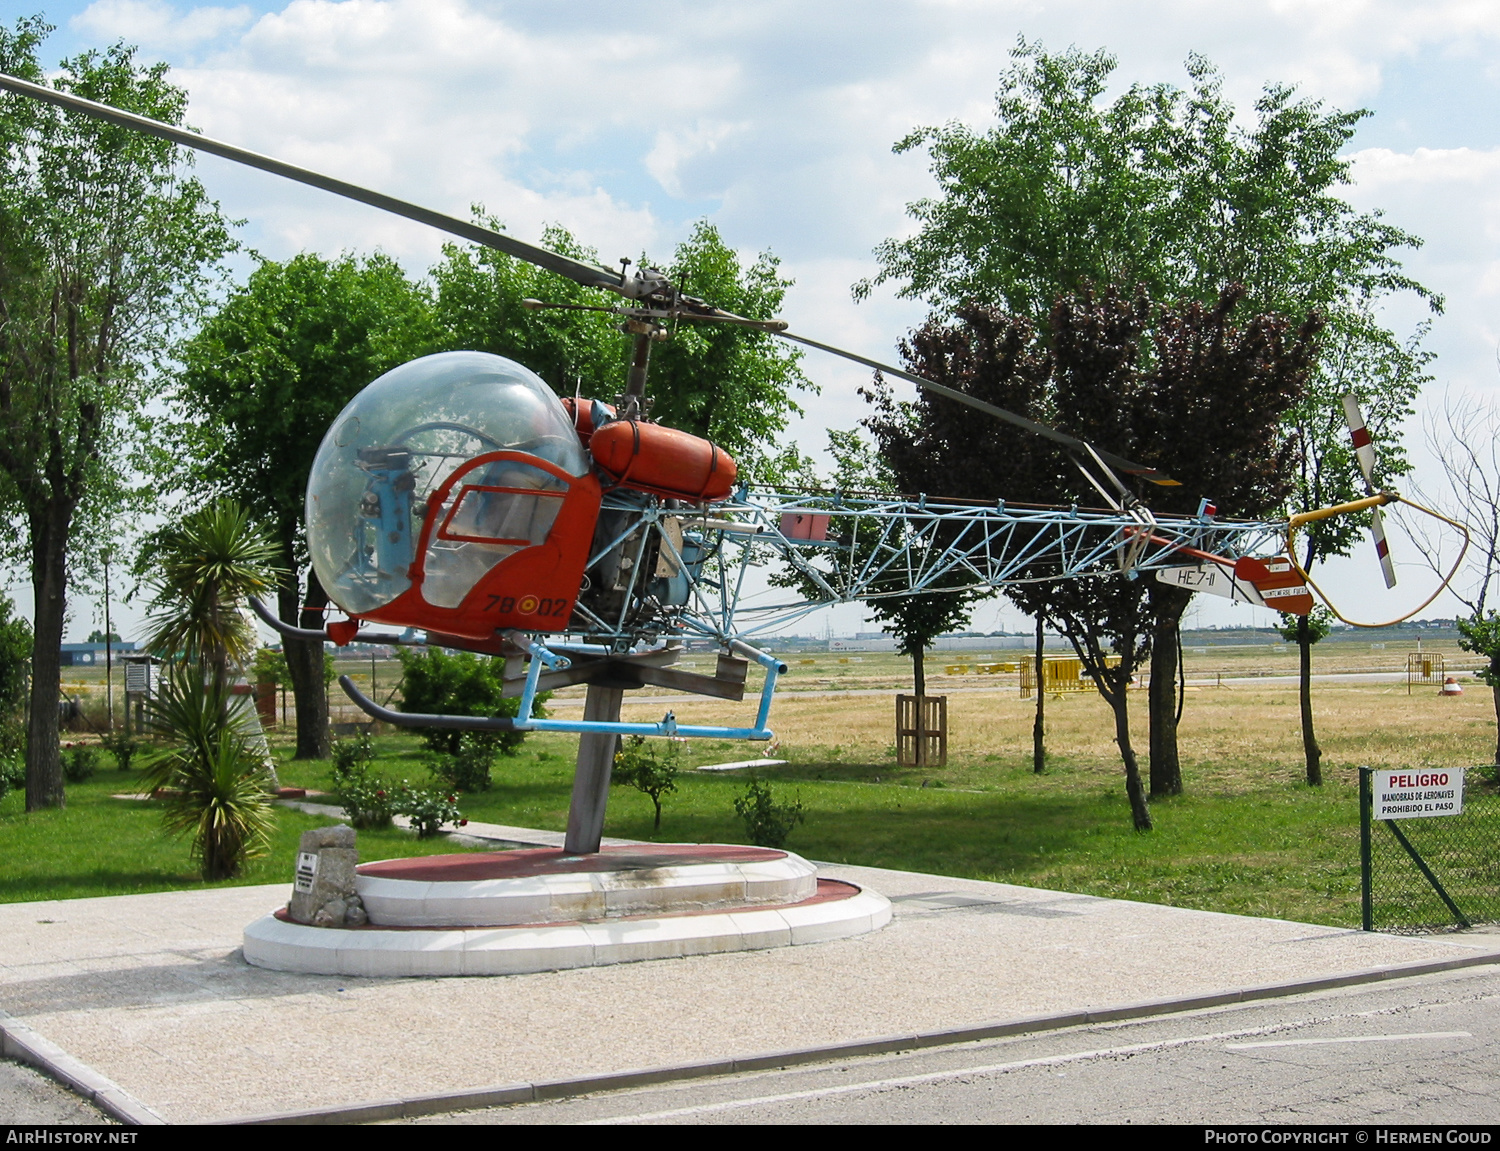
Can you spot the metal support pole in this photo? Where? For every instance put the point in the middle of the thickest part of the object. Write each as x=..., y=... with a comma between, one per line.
x=596, y=757
x=1367, y=908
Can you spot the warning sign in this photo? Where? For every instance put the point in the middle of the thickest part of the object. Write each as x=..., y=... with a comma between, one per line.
x=1411, y=794
x=307, y=871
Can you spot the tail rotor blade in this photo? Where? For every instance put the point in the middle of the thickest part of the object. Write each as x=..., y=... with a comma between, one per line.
x=1382, y=547
x=1364, y=448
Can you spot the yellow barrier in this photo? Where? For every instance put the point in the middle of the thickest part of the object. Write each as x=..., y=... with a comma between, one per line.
x=1423, y=667
x=1061, y=675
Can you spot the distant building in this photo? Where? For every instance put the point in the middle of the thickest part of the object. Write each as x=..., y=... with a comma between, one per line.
x=91, y=654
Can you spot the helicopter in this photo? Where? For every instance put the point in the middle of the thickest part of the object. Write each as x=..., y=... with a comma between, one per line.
x=459, y=499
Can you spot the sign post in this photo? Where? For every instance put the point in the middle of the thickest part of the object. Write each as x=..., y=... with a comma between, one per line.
x=1406, y=793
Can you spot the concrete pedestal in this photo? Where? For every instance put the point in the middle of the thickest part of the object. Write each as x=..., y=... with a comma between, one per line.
x=521, y=911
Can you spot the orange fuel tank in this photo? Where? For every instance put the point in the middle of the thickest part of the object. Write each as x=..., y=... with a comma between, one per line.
x=663, y=461
x=581, y=412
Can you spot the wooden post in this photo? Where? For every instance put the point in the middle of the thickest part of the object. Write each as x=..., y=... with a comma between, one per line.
x=921, y=759
x=596, y=758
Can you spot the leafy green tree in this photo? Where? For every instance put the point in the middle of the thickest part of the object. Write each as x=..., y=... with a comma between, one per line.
x=1209, y=397
x=107, y=246
x=478, y=308
x=1304, y=631
x=1160, y=188
x=259, y=384
x=1480, y=633
x=728, y=383
x=1386, y=378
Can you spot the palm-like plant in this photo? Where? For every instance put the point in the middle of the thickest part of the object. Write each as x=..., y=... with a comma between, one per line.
x=216, y=785
x=201, y=571
x=215, y=778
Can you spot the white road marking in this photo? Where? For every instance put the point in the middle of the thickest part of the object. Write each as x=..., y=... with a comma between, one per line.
x=932, y=1077
x=1352, y=1039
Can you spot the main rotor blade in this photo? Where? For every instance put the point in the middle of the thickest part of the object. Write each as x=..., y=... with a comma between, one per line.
x=590, y=275
x=1073, y=443
x=1364, y=447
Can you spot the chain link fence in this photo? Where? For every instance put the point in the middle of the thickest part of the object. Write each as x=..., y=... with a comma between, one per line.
x=1430, y=874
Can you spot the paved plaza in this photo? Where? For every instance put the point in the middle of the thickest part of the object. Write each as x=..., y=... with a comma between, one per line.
x=151, y=995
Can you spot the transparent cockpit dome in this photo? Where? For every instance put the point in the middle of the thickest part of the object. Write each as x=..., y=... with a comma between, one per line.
x=396, y=443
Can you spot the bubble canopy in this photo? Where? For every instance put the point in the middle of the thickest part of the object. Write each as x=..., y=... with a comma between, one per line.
x=394, y=447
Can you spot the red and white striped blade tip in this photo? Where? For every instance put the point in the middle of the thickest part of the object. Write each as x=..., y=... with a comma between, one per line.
x=1364, y=448
x=1382, y=547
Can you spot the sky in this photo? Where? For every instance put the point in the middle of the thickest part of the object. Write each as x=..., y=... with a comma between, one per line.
x=776, y=121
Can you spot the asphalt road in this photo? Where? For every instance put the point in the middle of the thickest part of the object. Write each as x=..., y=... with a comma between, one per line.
x=1413, y=1051
x=27, y=1096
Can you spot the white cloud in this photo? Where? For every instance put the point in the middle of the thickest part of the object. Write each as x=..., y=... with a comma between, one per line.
x=156, y=25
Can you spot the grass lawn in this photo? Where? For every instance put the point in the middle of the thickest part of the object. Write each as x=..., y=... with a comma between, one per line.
x=99, y=845
x=1248, y=836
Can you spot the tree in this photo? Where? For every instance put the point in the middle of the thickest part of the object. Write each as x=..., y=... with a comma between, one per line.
x=1304, y=631
x=106, y=247
x=730, y=384
x=200, y=572
x=639, y=765
x=478, y=308
x=216, y=782
x=1183, y=388
x=1159, y=189
x=1211, y=408
x=940, y=447
x=915, y=620
x=1359, y=359
x=259, y=384
x=1465, y=439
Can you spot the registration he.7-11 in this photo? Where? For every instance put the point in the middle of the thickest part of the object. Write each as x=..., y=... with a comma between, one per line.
x=1412, y=793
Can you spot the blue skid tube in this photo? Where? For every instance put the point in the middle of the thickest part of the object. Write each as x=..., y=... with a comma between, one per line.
x=668, y=724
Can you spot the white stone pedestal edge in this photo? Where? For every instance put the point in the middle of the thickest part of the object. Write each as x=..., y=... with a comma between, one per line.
x=284, y=946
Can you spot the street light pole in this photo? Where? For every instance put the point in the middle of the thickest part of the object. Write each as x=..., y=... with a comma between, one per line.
x=109, y=650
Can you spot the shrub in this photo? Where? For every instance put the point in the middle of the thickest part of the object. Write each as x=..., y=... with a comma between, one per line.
x=428, y=810
x=439, y=684
x=638, y=764
x=123, y=746
x=367, y=800
x=350, y=754
x=12, y=774
x=468, y=769
x=80, y=761
x=767, y=822
x=217, y=785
